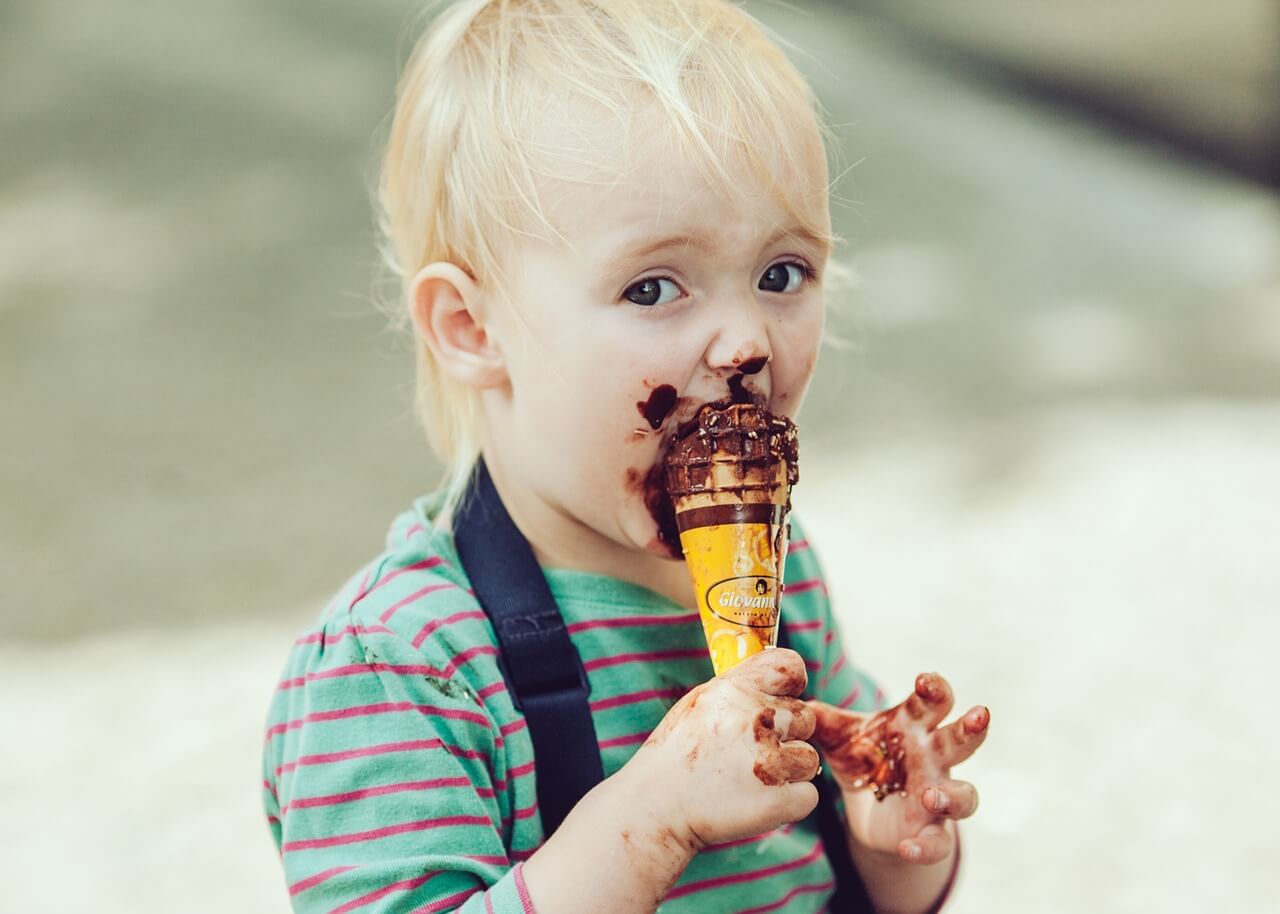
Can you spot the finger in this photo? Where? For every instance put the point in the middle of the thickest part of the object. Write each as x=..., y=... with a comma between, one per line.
x=765, y=727
x=799, y=761
x=953, y=799
x=792, y=761
x=795, y=719
x=931, y=701
x=957, y=741
x=795, y=801
x=932, y=845
x=777, y=671
x=839, y=734
x=834, y=727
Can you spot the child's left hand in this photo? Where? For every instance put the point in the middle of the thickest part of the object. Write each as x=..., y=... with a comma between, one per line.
x=894, y=769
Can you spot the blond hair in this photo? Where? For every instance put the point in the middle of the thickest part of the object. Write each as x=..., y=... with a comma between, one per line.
x=465, y=148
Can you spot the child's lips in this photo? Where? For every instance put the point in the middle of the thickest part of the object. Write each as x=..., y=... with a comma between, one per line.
x=664, y=400
x=739, y=392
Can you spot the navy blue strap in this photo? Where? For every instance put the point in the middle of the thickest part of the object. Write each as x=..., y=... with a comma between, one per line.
x=545, y=675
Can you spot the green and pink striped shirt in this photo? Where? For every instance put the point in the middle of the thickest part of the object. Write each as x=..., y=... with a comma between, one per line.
x=397, y=775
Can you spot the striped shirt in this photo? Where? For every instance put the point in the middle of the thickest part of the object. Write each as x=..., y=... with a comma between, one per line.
x=397, y=775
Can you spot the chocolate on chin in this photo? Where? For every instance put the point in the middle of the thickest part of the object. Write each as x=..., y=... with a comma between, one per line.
x=729, y=475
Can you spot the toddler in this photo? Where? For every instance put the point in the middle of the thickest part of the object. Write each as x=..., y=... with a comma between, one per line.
x=604, y=213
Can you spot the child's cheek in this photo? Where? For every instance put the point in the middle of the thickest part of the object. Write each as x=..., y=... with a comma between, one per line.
x=646, y=486
x=660, y=403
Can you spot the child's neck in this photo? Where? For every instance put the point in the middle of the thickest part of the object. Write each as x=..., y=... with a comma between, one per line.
x=560, y=540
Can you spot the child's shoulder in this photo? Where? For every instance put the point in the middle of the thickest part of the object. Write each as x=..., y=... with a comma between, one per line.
x=413, y=598
x=402, y=646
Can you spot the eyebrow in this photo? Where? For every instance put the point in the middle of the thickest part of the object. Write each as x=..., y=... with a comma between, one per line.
x=702, y=244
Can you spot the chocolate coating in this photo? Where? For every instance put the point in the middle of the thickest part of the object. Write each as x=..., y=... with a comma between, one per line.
x=745, y=436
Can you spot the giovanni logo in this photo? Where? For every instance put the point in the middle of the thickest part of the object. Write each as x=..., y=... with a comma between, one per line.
x=750, y=600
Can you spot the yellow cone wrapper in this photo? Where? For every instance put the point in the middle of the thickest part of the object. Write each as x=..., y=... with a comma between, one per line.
x=730, y=479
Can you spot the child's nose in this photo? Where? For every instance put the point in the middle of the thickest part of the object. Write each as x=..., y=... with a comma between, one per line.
x=741, y=340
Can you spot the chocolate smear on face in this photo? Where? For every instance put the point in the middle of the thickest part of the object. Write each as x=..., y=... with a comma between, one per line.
x=652, y=488
x=662, y=510
x=753, y=366
x=738, y=392
x=659, y=405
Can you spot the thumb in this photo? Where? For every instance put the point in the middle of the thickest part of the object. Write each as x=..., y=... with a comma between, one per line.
x=840, y=734
x=835, y=726
x=776, y=671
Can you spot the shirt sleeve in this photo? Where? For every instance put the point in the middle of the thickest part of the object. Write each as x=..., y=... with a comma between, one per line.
x=386, y=782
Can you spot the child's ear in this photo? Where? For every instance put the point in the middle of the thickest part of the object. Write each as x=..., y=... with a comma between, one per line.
x=448, y=314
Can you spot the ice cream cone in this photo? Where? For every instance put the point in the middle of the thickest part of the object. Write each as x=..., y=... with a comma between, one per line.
x=730, y=476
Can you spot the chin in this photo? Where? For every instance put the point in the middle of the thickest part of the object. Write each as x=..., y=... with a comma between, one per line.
x=643, y=533
x=661, y=549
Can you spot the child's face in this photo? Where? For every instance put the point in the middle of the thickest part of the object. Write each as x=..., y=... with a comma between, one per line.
x=605, y=341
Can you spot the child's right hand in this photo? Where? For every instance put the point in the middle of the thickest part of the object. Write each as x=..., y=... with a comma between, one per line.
x=729, y=760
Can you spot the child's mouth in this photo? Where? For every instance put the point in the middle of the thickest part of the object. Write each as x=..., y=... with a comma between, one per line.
x=740, y=393
x=663, y=401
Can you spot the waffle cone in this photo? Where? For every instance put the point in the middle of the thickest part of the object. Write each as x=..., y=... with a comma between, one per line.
x=730, y=481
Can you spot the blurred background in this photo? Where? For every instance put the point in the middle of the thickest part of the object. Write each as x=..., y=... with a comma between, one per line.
x=1046, y=461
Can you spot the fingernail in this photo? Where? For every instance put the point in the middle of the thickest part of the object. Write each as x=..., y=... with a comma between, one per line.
x=940, y=800
x=914, y=853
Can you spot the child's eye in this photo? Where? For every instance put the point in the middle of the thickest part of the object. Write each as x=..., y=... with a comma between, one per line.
x=784, y=277
x=648, y=292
